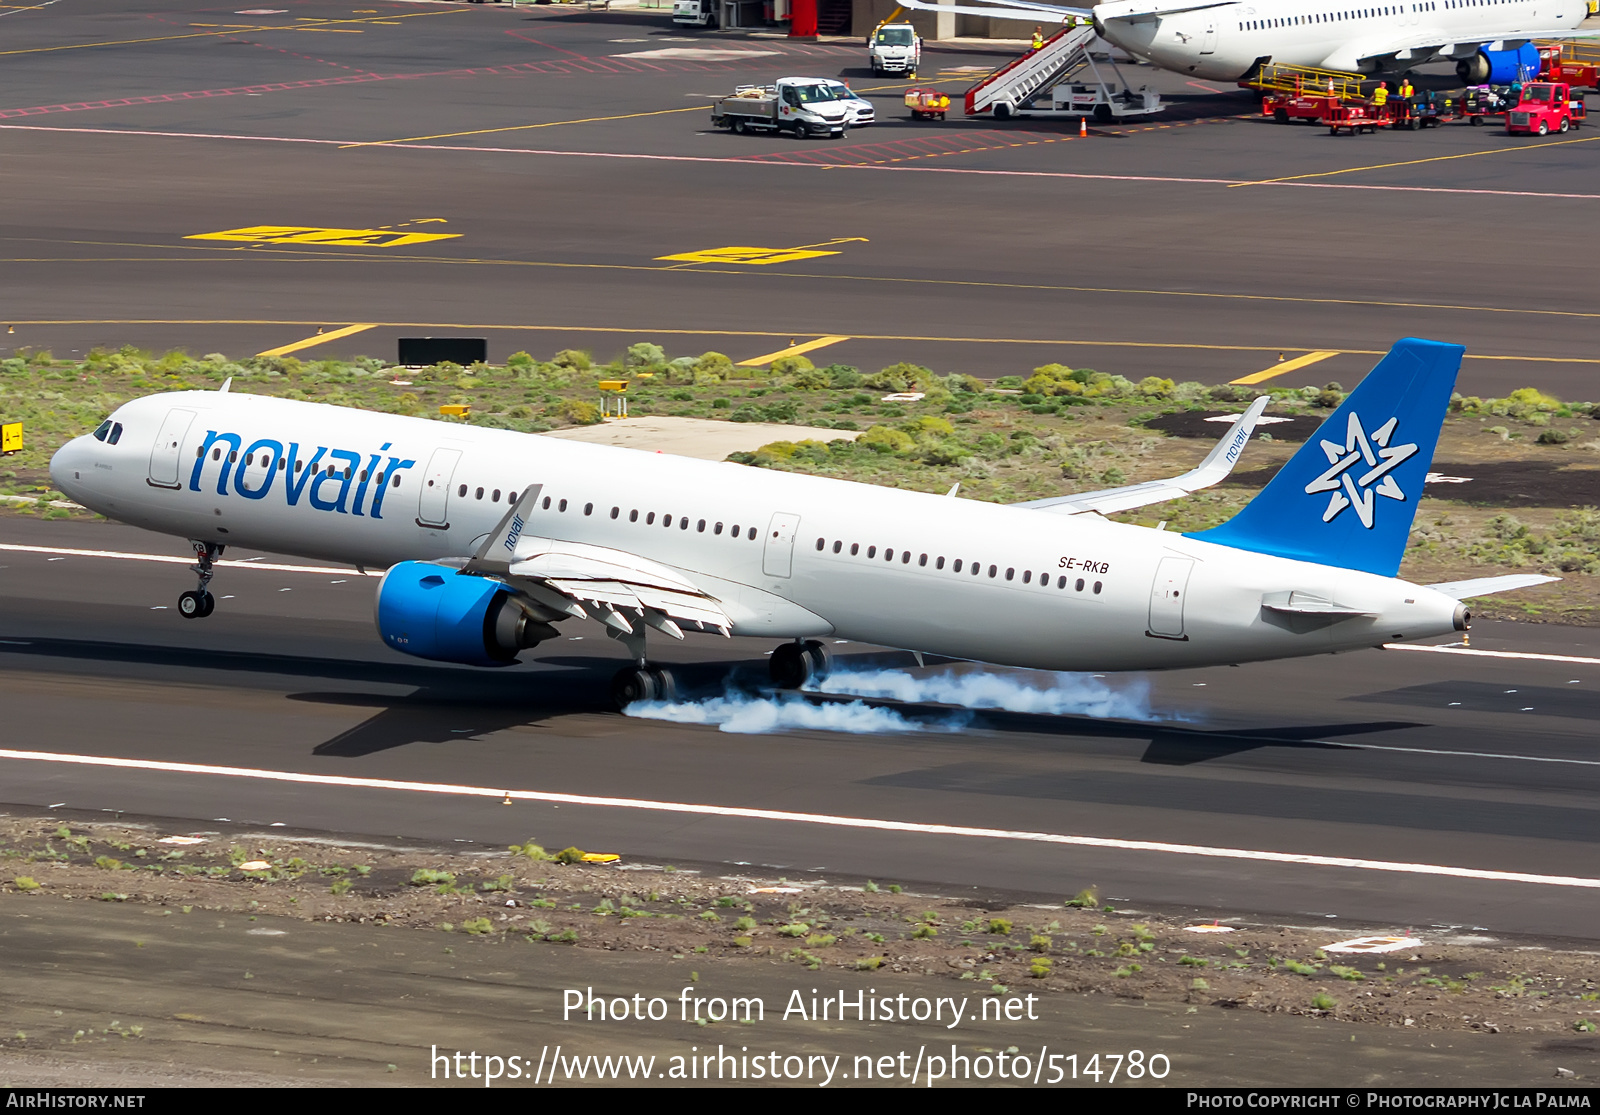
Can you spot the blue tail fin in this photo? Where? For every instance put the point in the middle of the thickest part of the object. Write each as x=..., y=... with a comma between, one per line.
x=1348, y=496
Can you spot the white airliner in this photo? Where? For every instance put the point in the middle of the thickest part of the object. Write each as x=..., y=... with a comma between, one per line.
x=490, y=538
x=1229, y=41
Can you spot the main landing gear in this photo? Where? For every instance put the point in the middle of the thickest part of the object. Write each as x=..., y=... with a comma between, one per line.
x=794, y=664
x=200, y=603
x=640, y=681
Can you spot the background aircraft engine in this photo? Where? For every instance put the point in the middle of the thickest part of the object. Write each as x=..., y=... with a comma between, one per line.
x=433, y=611
x=1500, y=67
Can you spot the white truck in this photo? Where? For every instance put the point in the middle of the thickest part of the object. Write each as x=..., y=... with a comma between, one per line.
x=894, y=48
x=696, y=13
x=858, y=110
x=804, y=106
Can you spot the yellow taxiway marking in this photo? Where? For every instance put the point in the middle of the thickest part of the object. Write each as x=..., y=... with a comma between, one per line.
x=761, y=257
x=291, y=255
x=524, y=127
x=262, y=27
x=320, y=338
x=1064, y=342
x=1286, y=366
x=792, y=350
x=1414, y=162
x=341, y=237
x=755, y=257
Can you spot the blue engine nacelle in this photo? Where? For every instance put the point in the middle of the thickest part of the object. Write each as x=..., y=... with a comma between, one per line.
x=1500, y=67
x=433, y=611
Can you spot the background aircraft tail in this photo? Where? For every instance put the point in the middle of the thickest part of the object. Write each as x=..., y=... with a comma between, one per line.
x=1348, y=497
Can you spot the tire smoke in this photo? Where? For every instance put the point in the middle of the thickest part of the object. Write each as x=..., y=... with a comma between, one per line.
x=969, y=689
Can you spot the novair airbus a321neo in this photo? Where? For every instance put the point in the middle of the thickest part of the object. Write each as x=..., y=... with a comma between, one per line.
x=491, y=538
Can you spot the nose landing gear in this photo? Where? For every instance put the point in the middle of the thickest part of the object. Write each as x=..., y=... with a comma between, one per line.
x=200, y=603
x=794, y=664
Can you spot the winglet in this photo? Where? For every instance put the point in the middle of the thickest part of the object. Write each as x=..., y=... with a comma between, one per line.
x=1213, y=470
x=498, y=550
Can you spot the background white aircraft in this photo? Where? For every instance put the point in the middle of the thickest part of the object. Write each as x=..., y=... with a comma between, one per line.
x=492, y=537
x=1228, y=41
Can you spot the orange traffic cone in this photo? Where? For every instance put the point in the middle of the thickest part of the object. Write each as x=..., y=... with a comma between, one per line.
x=1083, y=126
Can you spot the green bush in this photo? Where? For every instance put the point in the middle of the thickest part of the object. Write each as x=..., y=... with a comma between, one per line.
x=886, y=439
x=842, y=376
x=644, y=355
x=713, y=366
x=580, y=412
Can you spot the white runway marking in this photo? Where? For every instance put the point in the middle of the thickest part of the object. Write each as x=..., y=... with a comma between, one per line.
x=245, y=563
x=809, y=819
x=752, y=160
x=1499, y=654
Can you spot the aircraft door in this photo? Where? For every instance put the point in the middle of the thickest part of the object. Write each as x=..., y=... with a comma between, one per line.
x=434, y=503
x=164, y=457
x=1167, y=595
x=777, y=559
x=1208, y=41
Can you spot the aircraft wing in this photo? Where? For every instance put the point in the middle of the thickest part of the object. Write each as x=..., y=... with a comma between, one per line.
x=1483, y=586
x=1216, y=466
x=621, y=590
x=1425, y=45
x=1137, y=11
x=1004, y=9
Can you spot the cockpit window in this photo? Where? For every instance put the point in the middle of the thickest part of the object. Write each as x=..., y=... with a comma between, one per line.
x=105, y=428
x=115, y=435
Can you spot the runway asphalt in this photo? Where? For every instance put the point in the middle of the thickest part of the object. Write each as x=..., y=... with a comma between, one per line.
x=1401, y=765
x=565, y=153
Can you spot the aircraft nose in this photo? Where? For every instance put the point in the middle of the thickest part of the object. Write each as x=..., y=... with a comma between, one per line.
x=67, y=464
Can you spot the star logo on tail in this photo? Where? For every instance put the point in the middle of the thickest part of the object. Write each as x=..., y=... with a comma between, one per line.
x=1358, y=473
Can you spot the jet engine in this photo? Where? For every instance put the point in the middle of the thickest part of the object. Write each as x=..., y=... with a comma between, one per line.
x=1500, y=67
x=434, y=611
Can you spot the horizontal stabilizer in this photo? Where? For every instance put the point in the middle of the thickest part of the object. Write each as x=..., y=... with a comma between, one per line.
x=1213, y=470
x=1348, y=496
x=1483, y=586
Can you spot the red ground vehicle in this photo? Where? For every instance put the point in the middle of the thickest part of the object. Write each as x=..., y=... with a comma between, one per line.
x=1291, y=93
x=1556, y=66
x=1545, y=107
x=1363, y=116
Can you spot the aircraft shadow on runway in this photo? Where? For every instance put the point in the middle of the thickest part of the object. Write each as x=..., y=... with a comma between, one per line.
x=454, y=704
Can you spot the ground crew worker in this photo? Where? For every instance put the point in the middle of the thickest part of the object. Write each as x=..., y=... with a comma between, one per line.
x=1038, y=38
x=1380, y=95
x=1406, y=91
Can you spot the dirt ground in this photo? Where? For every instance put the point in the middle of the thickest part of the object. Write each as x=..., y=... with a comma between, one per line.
x=1450, y=982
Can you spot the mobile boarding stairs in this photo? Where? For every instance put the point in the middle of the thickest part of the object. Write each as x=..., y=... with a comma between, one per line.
x=1061, y=78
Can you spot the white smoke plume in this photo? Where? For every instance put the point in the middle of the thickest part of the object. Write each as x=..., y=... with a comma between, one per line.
x=750, y=715
x=967, y=689
x=1054, y=695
